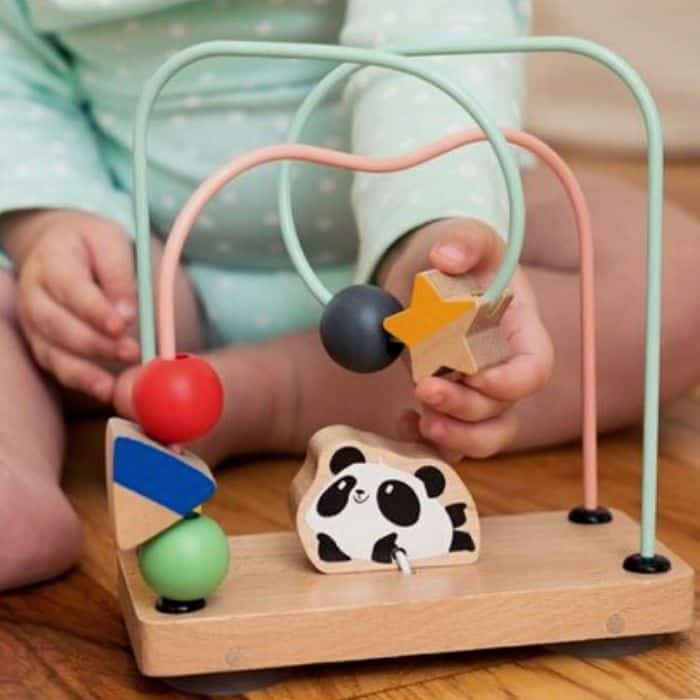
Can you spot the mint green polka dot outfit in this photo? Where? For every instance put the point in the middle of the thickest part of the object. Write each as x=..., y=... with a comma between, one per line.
x=71, y=72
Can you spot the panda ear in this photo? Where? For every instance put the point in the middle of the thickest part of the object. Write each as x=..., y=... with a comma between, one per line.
x=432, y=479
x=345, y=456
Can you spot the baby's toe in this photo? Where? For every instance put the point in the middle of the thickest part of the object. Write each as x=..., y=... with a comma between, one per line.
x=123, y=392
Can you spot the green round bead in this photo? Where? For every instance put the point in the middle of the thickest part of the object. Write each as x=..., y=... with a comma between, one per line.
x=187, y=561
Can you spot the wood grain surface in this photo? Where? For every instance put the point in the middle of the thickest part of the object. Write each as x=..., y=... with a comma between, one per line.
x=66, y=639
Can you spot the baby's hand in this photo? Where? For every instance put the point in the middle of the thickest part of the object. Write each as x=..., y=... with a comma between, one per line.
x=76, y=295
x=472, y=417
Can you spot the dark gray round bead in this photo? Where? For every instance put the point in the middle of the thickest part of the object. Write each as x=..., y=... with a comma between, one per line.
x=352, y=330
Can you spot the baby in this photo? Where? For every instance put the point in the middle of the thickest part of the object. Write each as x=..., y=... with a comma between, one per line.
x=70, y=77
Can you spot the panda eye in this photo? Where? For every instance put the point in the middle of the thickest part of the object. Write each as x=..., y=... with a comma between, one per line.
x=398, y=503
x=334, y=499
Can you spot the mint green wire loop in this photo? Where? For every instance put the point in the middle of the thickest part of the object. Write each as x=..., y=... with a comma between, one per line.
x=511, y=173
x=518, y=45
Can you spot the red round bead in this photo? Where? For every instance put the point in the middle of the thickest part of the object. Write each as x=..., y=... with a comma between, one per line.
x=178, y=400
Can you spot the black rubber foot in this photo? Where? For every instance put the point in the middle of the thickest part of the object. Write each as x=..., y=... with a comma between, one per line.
x=178, y=607
x=637, y=564
x=607, y=648
x=234, y=683
x=590, y=516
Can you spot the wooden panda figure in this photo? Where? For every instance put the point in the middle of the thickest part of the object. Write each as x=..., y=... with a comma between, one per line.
x=359, y=498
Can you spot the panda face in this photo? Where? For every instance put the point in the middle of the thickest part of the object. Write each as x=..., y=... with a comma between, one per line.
x=395, y=499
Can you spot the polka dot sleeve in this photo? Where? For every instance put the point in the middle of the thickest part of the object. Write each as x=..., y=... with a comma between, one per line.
x=393, y=113
x=49, y=156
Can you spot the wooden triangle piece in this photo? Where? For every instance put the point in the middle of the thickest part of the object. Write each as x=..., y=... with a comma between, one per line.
x=149, y=487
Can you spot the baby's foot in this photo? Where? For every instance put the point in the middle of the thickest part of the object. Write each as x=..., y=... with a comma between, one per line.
x=41, y=532
x=122, y=392
x=258, y=397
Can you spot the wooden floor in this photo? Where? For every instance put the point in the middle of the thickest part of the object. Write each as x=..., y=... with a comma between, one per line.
x=66, y=639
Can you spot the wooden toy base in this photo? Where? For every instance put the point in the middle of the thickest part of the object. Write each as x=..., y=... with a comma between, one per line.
x=540, y=580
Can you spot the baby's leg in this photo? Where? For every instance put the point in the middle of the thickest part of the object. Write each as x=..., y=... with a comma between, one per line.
x=40, y=532
x=281, y=391
x=278, y=393
x=550, y=258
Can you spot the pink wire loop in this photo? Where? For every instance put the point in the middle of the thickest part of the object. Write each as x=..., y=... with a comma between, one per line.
x=324, y=156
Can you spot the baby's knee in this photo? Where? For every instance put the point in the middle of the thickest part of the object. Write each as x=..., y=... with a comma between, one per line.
x=42, y=531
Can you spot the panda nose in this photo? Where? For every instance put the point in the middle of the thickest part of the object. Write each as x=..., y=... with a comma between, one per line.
x=360, y=495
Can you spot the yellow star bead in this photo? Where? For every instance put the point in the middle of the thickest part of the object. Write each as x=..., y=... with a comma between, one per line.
x=427, y=314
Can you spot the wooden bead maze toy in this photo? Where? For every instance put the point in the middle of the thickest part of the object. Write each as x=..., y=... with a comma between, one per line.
x=389, y=557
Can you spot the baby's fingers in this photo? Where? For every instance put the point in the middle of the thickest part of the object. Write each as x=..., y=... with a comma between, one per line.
x=113, y=267
x=60, y=328
x=72, y=288
x=466, y=246
x=408, y=430
x=71, y=371
x=530, y=366
x=458, y=401
x=475, y=440
x=513, y=380
x=88, y=302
